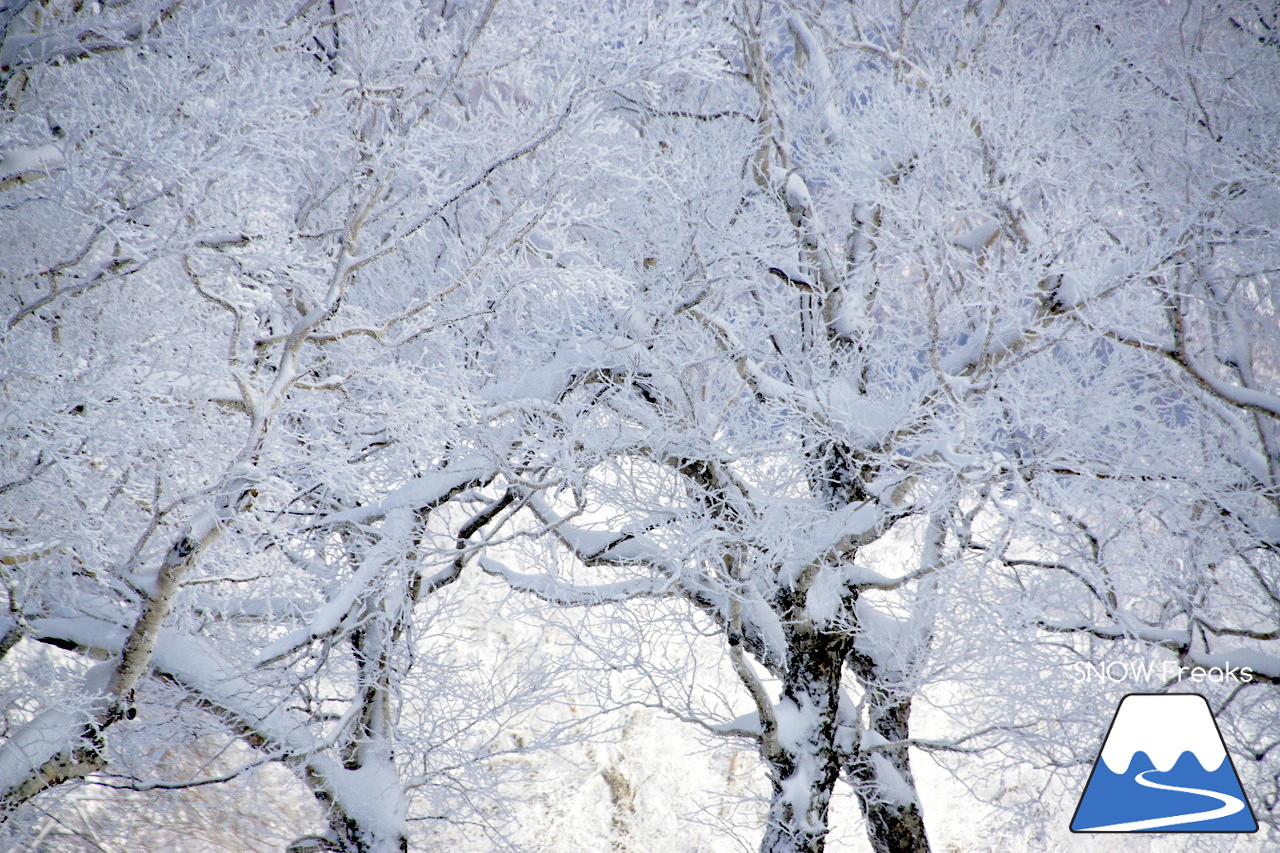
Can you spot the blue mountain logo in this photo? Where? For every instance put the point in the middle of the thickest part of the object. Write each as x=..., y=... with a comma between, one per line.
x=1163, y=768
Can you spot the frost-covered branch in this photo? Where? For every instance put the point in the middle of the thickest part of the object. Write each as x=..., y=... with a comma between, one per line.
x=568, y=594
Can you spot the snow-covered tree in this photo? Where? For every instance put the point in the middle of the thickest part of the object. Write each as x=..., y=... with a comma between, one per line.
x=911, y=350
x=912, y=355
x=247, y=249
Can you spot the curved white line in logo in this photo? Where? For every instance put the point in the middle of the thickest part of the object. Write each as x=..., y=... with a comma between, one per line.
x=1230, y=805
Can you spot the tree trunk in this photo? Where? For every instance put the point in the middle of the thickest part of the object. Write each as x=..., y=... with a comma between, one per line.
x=881, y=773
x=805, y=767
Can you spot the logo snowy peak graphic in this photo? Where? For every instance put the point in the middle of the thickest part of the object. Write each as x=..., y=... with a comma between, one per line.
x=1163, y=768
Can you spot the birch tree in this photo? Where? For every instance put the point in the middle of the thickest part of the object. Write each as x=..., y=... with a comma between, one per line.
x=242, y=249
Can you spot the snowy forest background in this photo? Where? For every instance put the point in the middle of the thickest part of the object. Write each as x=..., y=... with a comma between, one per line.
x=654, y=425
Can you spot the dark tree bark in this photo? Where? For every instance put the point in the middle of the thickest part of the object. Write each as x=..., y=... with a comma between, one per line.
x=807, y=762
x=895, y=823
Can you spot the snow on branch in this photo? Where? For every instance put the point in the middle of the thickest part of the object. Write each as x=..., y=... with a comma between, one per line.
x=920, y=76
x=596, y=547
x=556, y=591
x=429, y=490
x=764, y=386
x=192, y=663
x=1240, y=396
x=26, y=50
x=397, y=536
x=52, y=746
x=392, y=240
x=21, y=165
x=1175, y=640
x=549, y=381
x=367, y=798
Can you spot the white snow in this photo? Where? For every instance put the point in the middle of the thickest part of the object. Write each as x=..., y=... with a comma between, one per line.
x=796, y=726
x=766, y=625
x=202, y=668
x=797, y=789
x=624, y=545
x=372, y=795
x=49, y=732
x=871, y=739
x=976, y=238
x=547, y=382
x=748, y=723
x=1247, y=397
x=1163, y=726
x=20, y=161
x=882, y=637
x=823, y=601
x=1266, y=529
x=396, y=532
x=798, y=198
x=864, y=418
x=424, y=491
x=549, y=587
x=891, y=786
x=794, y=723
x=807, y=536
x=35, y=742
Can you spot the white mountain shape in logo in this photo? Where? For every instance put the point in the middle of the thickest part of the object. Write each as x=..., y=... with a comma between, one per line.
x=1182, y=782
x=1163, y=726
